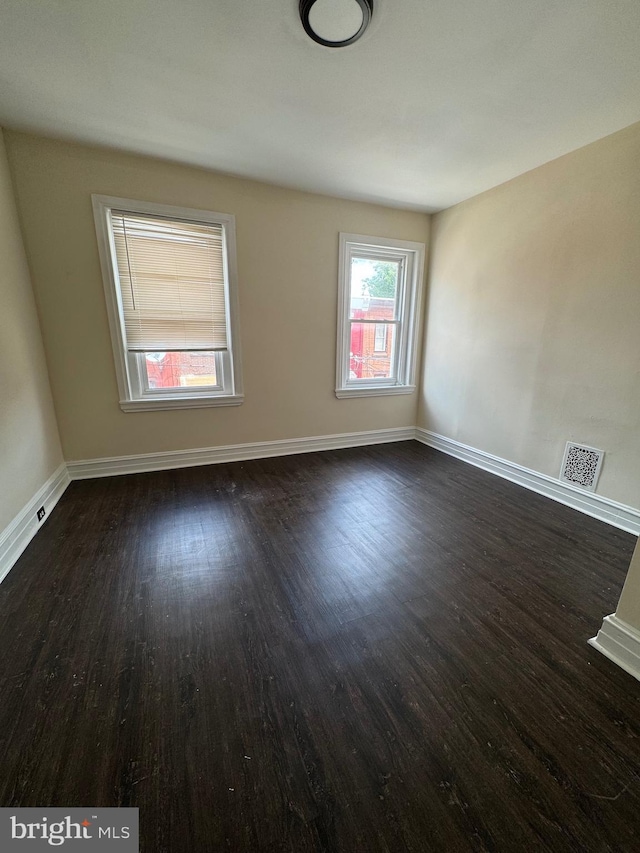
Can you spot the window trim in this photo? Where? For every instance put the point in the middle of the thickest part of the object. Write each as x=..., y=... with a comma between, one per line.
x=408, y=320
x=133, y=397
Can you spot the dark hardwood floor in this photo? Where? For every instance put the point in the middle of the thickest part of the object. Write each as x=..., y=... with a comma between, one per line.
x=379, y=649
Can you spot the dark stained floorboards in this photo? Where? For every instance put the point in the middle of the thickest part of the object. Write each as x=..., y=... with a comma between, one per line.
x=378, y=649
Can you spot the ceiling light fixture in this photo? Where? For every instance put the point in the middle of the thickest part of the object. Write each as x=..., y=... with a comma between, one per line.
x=335, y=23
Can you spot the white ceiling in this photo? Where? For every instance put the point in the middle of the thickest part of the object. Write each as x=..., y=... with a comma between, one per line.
x=440, y=99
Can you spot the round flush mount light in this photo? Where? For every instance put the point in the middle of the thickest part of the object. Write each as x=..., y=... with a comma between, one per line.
x=335, y=23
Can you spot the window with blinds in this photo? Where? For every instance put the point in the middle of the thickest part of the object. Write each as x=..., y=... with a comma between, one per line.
x=171, y=291
x=172, y=283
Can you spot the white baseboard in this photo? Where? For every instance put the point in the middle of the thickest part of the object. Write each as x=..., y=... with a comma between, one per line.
x=15, y=538
x=231, y=453
x=620, y=643
x=619, y=515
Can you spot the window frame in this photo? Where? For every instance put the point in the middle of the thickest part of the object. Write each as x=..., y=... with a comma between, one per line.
x=408, y=300
x=137, y=367
x=134, y=393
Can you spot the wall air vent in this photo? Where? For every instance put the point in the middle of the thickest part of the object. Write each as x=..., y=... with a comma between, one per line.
x=581, y=466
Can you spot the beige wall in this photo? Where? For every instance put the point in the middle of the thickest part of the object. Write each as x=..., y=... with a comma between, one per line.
x=533, y=332
x=29, y=443
x=629, y=605
x=287, y=263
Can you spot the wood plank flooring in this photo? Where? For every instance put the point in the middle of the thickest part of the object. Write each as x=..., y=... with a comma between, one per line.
x=378, y=649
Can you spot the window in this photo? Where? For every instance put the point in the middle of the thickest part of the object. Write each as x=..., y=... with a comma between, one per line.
x=380, y=339
x=170, y=284
x=379, y=300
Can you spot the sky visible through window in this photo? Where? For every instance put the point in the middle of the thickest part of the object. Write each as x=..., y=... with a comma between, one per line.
x=360, y=269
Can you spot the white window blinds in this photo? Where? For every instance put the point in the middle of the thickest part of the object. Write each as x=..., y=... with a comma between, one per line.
x=172, y=283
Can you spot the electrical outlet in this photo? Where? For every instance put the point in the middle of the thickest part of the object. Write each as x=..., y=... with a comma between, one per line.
x=41, y=513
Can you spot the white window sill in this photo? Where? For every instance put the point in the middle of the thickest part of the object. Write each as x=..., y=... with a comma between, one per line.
x=374, y=391
x=164, y=403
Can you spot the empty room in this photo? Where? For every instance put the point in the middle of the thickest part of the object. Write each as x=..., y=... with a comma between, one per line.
x=320, y=426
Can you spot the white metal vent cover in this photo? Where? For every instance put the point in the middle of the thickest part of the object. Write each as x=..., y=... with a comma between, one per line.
x=581, y=466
